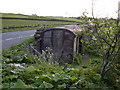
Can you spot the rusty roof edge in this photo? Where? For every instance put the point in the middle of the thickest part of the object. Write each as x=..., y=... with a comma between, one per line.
x=60, y=28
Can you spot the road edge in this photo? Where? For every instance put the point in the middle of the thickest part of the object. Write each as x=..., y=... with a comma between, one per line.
x=0, y=50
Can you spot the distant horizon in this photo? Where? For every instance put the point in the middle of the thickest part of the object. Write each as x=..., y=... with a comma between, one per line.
x=61, y=8
x=56, y=16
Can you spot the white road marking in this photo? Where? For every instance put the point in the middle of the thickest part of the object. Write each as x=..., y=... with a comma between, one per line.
x=8, y=39
x=17, y=37
x=32, y=35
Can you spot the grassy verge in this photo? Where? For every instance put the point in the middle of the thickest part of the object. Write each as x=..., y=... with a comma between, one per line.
x=29, y=28
x=18, y=53
x=38, y=73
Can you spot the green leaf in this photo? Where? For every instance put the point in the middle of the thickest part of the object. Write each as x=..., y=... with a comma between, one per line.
x=5, y=85
x=12, y=76
x=58, y=76
x=82, y=77
x=73, y=88
x=62, y=86
x=38, y=82
x=31, y=69
x=19, y=84
x=1, y=86
x=45, y=77
x=45, y=85
x=97, y=77
x=7, y=60
x=73, y=78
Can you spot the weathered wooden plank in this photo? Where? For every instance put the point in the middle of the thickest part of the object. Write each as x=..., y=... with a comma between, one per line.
x=46, y=40
x=63, y=42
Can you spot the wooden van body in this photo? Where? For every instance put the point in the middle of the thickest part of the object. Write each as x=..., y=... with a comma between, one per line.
x=64, y=43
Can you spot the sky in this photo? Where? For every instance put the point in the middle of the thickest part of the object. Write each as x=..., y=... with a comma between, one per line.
x=65, y=8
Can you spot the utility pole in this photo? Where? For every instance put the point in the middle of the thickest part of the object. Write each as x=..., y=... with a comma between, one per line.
x=118, y=12
x=92, y=8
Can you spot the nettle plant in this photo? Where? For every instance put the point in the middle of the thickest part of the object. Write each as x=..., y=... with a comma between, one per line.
x=102, y=38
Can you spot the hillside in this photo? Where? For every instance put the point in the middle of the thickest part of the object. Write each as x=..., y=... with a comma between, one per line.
x=17, y=22
x=12, y=15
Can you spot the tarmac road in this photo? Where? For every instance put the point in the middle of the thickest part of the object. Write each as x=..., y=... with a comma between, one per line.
x=12, y=38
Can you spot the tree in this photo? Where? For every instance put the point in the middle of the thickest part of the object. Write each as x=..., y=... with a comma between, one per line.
x=104, y=39
x=108, y=39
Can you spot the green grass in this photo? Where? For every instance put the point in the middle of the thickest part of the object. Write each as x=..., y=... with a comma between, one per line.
x=15, y=23
x=10, y=25
x=39, y=73
x=15, y=53
x=64, y=18
x=28, y=24
x=38, y=17
x=19, y=15
x=28, y=28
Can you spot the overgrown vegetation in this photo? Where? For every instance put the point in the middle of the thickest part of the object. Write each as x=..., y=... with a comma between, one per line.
x=39, y=73
x=102, y=38
x=101, y=41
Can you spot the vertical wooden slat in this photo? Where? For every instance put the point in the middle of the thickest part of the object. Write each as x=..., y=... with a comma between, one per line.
x=75, y=46
x=63, y=43
x=52, y=39
x=78, y=42
x=62, y=49
x=46, y=40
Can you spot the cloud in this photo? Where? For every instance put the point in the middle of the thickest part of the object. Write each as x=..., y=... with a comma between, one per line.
x=60, y=7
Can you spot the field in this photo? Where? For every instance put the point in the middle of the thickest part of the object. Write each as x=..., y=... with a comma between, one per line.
x=17, y=22
x=17, y=25
x=38, y=17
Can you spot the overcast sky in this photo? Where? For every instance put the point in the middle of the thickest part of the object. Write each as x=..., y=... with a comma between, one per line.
x=66, y=8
